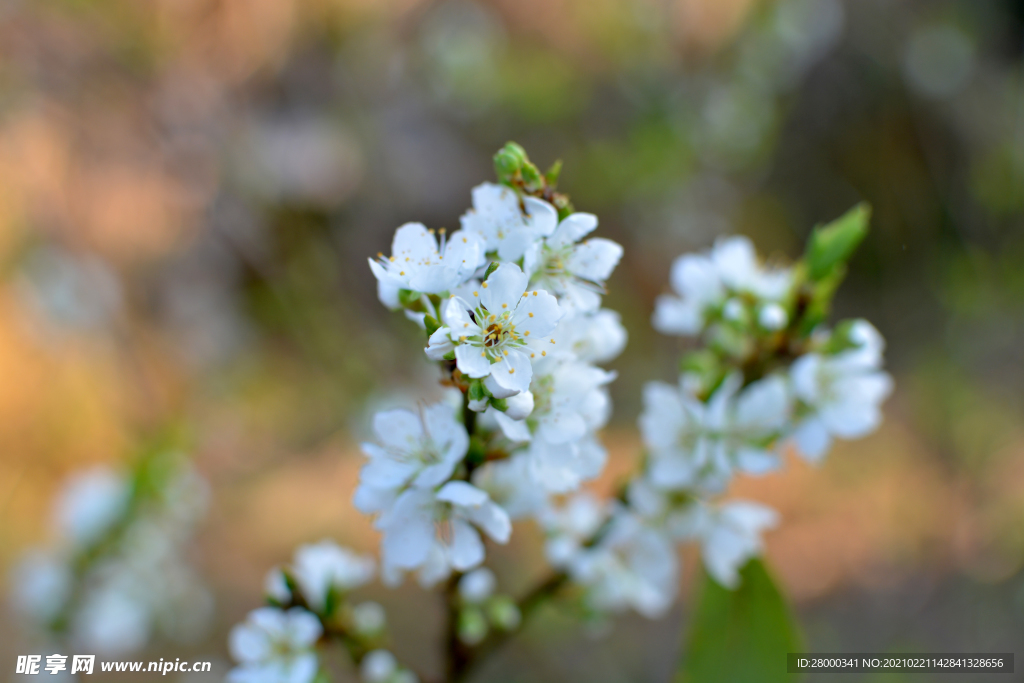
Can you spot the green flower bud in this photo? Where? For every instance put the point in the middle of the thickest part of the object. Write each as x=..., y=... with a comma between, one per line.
x=472, y=625
x=503, y=612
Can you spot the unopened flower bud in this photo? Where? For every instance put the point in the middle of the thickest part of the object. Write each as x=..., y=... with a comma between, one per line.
x=772, y=317
x=472, y=626
x=503, y=613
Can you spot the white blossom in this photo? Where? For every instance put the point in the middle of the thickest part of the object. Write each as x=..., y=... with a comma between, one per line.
x=506, y=226
x=446, y=522
x=573, y=271
x=275, y=586
x=418, y=262
x=594, y=337
x=419, y=449
x=632, y=566
x=41, y=585
x=705, y=282
x=841, y=393
x=378, y=666
x=90, y=503
x=275, y=646
x=477, y=585
x=499, y=330
x=369, y=618
x=568, y=527
x=111, y=621
x=568, y=402
x=697, y=444
x=561, y=468
x=325, y=566
x=730, y=535
x=511, y=485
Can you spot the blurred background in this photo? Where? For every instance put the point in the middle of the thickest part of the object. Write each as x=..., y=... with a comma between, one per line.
x=189, y=190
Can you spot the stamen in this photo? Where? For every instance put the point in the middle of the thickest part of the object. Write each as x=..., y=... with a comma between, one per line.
x=484, y=285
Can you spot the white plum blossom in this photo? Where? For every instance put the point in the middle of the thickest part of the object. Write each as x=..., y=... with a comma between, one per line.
x=573, y=271
x=510, y=484
x=569, y=400
x=275, y=646
x=842, y=393
x=594, y=337
x=419, y=449
x=444, y=522
x=704, y=283
x=419, y=263
x=561, y=468
x=42, y=585
x=275, y=586
x=507, y=223
x=477, y=585
x=499, y=331
x=322, y=567
x=730, y=535
x=569, y=527
x=91, y=502
x=697, y=444
x=632, y=566
x=380, y=666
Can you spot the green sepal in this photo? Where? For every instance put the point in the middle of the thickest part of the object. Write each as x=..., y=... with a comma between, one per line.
x=411, y=300
x=553, y=173
x=839, y=340
x=449, y=356
x=432, y=325
x=500, y=404
x=831, y=246
x=477, y=390
x=491, y=268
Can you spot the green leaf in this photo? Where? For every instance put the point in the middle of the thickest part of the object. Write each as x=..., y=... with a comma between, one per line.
x=740, y=635
x=831, y=246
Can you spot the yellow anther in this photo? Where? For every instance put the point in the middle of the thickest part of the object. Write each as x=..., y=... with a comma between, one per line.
x=535, y=292
x=392, y=259
x=530, y=314
x=484, y=285
x=552, y=341
x=526, y=334
x=483, y=354
x=532, y=355
x=543, y=353
x=430, y=230
x=506, y=353
x=380, y=255
x=512, y=371
x=464, y=239
x=463, y=324
x=476, y=293
x=462, y=338
x=443, y=230
x=402, y=273
x=492, y=318
x=504, y=305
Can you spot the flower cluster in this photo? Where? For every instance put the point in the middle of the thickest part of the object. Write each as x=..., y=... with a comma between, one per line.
x=116, y=577
x=511, y=307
